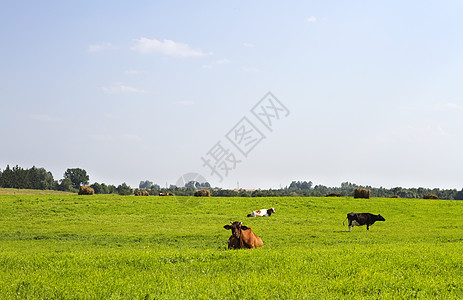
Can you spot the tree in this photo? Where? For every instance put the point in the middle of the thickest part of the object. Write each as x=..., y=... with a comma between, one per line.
x=154, y=189
x=124, y=189
x=99, y=188
x=204, y=185
x=191, y=183
x=20, y=178
x=459, y=195
x=306, y=185
x=45, y=179
x=65, y=185
x=7, y=177
x=145, y=184
x=301, y=185
x=33, y=178
x=77, y=177
x=39, y=179
x=112, y=189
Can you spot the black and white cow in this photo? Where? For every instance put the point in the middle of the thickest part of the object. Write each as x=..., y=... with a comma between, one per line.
x=360, y=219
x=262, y=213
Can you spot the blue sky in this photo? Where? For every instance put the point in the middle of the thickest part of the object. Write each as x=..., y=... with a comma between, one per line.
x=144, y=90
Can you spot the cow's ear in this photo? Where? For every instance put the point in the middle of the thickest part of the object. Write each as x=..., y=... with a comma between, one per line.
x=228, y=227
x=244, y=227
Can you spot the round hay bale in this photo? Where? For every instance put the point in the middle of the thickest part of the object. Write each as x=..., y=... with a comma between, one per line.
x=203, y=193
x=86, y=190
x=142, y=193
x=362, y=193
x=430, y=196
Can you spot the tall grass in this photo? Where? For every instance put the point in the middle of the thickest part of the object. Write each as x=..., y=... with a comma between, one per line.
x=116, y=247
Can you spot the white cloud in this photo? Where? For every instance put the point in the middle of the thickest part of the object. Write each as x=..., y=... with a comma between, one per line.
x=41, y=118
x=421, y=131
x=311, y=19
x=99, y=137
x=440, y=131
x=222, y=61
x=119, y=88
x=250, y=70
x=407, y=107
x=111, y=116
x=207, y=67
x=100, y=47
x=248, y=45
x=134, y=72
x=217, y=62
x=185, y=102
x=448, y=106
x=166, y=47
x=131, y=137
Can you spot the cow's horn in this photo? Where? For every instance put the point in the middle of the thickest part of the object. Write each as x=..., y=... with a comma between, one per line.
x=231, y=222
x=241, y=223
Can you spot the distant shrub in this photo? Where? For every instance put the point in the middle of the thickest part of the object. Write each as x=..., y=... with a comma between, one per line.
x=142, y=193
x=86, y=190
x=362, y=193
x=430, y=196
x=203, y=193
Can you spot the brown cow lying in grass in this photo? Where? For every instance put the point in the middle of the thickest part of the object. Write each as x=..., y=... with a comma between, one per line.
x=242, y=237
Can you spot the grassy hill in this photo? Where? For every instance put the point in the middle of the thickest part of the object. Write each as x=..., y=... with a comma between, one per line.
x=127, y=247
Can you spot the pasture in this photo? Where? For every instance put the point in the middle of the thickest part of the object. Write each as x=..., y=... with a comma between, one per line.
x=127, y=247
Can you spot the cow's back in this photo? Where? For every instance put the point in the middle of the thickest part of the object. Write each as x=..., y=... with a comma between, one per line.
x=366, y=218
x=258, y=241
x=250, y=239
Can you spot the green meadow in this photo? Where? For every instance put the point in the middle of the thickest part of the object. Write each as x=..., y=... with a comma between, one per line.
x=127, y=247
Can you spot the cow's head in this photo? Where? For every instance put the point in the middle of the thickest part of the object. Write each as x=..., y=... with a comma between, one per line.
x=236, y=228
x=272, y=210
x=381, y=218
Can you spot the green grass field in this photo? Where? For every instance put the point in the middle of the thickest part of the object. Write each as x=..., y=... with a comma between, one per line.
x=127, y=247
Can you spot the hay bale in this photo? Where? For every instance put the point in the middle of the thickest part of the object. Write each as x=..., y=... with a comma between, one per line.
x=362, y=193
x=430, y=196
x=142, y=193
x=395, y=196
x=203, y=193
x=333, y=195
x=86, y=190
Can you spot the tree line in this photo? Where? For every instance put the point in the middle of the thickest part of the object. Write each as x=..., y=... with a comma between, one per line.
x=302, y=188
x=308, y=189
x=73, y=178
x=41, y=179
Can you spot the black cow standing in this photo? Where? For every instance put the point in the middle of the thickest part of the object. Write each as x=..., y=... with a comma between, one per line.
x=360, y=219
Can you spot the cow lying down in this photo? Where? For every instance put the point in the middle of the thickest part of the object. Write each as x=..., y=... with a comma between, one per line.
x=262, y=213
x=360, y=219
x=242, y=237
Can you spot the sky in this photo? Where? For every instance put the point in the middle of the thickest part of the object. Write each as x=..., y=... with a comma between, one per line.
x=249, y=94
